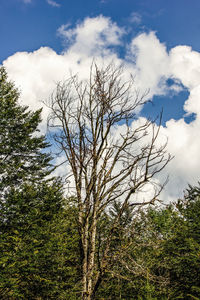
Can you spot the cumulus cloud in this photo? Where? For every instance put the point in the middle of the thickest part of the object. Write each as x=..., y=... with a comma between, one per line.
x=184, y=65
x=92, y=37
x=151, y=61
x=183, y=143
x=36, y=74
x=154, y=66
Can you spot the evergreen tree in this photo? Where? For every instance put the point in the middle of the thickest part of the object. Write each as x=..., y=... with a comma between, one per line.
x=38, y=239
x=21, y=158
x=39, y=256
x=182, y=249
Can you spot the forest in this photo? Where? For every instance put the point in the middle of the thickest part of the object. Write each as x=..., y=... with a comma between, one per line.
x=105, y=240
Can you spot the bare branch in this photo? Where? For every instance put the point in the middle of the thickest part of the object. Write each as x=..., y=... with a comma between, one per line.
x=113, y=154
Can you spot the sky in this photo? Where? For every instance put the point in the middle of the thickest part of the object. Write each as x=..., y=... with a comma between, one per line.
x=157, y=41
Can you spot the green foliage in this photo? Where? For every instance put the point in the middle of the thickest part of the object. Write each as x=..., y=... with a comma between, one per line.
x=39, y=256
x=182, y=249
x=20, y=147
x=158, y=253
x=38, y=246
x=137, y=271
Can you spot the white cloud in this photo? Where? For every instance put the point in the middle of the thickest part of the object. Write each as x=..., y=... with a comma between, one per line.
x=151, y=60
x=92, y=37
x=183, y=138
x=185, y=65
x=184, y=144
x=36, y=73
x=53, y=3
x=154, y=65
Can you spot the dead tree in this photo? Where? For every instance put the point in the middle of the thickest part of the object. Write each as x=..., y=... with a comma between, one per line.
x=111, y=154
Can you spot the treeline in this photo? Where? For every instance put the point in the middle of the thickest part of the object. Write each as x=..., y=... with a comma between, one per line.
x=154, y=252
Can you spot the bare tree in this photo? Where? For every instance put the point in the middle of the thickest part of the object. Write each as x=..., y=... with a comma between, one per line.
x=105, y=165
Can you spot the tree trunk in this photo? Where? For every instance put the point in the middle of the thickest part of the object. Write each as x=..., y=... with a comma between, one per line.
x=85, y=260
x=89, y=261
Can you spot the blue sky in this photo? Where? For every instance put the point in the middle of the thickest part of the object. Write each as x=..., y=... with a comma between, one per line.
x=157, y=40
x=26, y=25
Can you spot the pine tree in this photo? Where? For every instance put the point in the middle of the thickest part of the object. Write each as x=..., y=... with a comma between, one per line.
x=38, y=239
x=21, y=158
